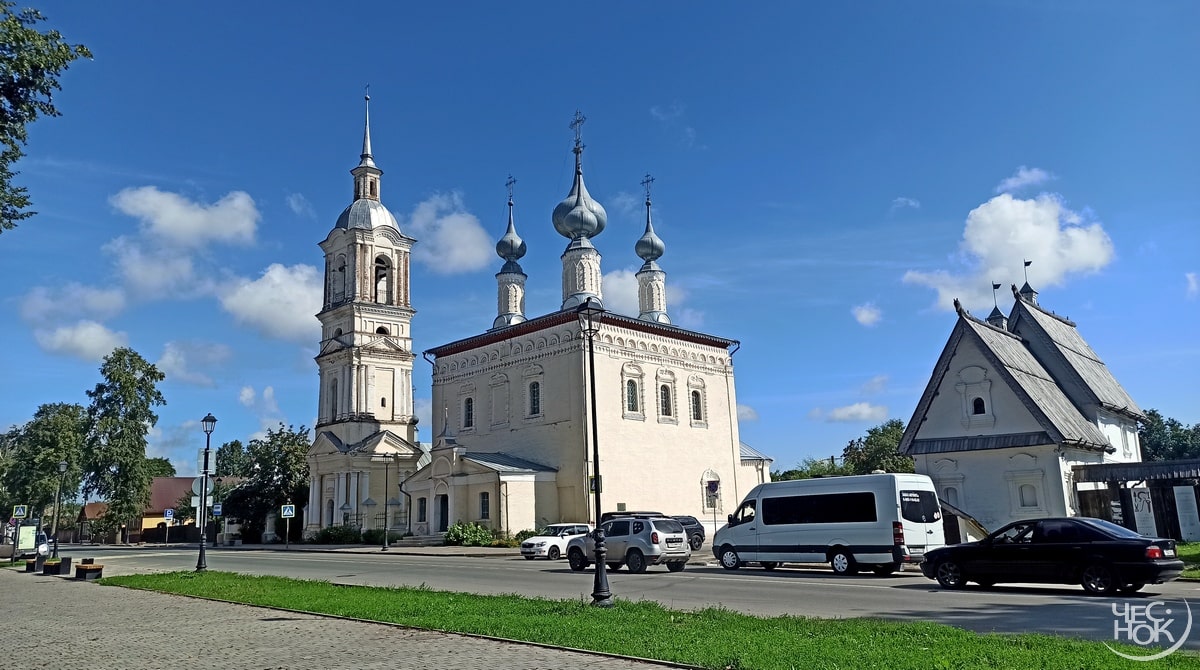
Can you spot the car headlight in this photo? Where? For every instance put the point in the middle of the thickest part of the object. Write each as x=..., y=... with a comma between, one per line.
x=540, y=544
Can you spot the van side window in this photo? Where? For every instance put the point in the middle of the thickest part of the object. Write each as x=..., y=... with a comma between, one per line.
x=920, y=506
x=745, y=513
x=822, y=508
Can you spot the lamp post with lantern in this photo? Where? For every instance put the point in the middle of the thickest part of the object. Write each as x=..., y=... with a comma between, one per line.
x=209, y=422
x=590, y=313
x=62, y=473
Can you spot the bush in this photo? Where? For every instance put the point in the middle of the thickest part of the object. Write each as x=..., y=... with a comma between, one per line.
x=468, y=535
x=525, y=535
x=504, y=542
x=375, y=536
x=338, y=535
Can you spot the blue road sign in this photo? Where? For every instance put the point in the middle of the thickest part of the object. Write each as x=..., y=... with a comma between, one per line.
x=169, y=514
x=216, y=509
x=289, y=511
x=20, y=511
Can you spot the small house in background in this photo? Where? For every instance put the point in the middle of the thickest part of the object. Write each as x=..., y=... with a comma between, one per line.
x=165, y=493
x=84, y=523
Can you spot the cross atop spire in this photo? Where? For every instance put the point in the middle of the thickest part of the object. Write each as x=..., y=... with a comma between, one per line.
x=509, y=184
x=646, y=182
x=577, y=125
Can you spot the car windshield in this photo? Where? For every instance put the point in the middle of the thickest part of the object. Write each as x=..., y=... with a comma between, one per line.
x=554, y=530
x=920, y=506
x=1112, y=528
x=668, y=525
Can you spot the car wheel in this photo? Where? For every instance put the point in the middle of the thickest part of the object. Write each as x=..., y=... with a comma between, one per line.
x=578, y=561
x=1098, y=579
x=769, y=565
x=529, y=558
x=1131, y=588
x=696, y=542
x=553, y=554
x=676, y=567
x=842, y=562
x=635, y=561
x=729, y=558
x=885, y=569
x=949, y=574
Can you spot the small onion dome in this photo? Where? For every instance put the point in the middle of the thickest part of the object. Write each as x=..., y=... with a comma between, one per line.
x=650, y=247
x=510, y=247
x=578, y=215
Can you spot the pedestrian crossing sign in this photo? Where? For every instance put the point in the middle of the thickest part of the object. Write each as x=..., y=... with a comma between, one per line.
x=288, y=511
x=20, y=511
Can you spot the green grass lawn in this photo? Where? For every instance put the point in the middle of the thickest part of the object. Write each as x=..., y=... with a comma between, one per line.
x=709, y=638
x=1190, y=553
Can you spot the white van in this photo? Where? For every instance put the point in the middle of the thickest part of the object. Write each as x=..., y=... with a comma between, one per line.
x=877, y=521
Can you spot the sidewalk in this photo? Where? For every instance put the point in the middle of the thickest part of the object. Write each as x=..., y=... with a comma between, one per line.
x=62, y=623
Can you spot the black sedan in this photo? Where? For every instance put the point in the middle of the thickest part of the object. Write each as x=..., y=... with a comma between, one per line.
x=1101, y=556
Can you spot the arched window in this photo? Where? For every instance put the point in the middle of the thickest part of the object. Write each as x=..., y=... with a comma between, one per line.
x=977, y=406
x=338, y=280
x=631, y=396
x=697, y=407
x=468, y=413
x=383, y=402
x=422, y=510
x=383, y=280
x=535, y=400
x=374, y=189
x=664, y=396
x=382, y=330
x=485, y=505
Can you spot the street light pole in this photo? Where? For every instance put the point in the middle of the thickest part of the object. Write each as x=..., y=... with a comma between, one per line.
x=589, y=314
x=387, y=467
x=62, y=472
x=210, y=423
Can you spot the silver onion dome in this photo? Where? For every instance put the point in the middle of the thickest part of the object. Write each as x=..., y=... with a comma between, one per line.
x=650, y=247
x=510, y=247
x=578, y=215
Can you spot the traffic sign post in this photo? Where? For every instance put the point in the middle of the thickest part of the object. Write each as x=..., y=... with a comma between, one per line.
x=169, y=515
x=287, y=512
x=216, y=509
x=20, y=511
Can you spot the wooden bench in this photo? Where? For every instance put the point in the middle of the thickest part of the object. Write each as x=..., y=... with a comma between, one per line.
x=89, y=572
x=31, y=565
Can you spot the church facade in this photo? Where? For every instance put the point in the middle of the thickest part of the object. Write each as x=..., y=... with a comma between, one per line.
x=365, y=435
x=1013, y=406
x=513, y=413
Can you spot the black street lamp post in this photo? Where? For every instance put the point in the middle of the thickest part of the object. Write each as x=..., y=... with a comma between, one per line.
x=589, y=314
x=386, y=501
x=210, y=423
x=62, y=473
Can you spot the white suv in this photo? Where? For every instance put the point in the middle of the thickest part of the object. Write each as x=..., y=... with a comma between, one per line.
x=551, y=541
x=636, y=542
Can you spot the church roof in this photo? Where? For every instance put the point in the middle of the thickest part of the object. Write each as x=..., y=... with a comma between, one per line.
x=1074, y=354
x=366, y=213
x=502, y=462
x=749, y=453
x=568, y=316
x=1016, y=365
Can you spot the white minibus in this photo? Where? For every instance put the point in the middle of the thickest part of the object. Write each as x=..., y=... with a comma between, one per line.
x=877, y=522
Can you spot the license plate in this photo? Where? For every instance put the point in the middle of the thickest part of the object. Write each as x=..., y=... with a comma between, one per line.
x=671, y=543
x=1169, y=553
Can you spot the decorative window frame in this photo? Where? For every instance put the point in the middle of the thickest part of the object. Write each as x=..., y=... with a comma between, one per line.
x=466, y=393
x=710, y=491
x=530, y=375
x=697, y=391
x=670, y=414
x=498, y=395
x=1031, y=477
x=485, y=505
x=631, y=372
x=973, y=383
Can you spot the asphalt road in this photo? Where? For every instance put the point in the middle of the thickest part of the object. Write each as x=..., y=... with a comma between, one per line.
x=1063, y=610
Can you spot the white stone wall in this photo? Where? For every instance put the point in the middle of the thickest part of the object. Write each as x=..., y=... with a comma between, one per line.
x=986, y=484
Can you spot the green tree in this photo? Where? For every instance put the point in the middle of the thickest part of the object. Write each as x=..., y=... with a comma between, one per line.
x=56, y=433
x=1165, y=439
x=159, y=467
x=119, y=418
x=30, y=65
x=233, y=460
x=878, y=450
x=278, y=473
x=811, y=467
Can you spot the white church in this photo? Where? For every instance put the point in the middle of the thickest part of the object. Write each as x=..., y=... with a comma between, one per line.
x=513, y=416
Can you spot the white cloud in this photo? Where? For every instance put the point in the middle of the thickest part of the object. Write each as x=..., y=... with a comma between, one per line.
x=626, y=203
x=746, y=413
x=1193, y=284
x=282, y=303
x=179, y=357
x=72, y=299
x=1023, y=177
x=155, y=272
x=246, y=396
x=300, y=206
x=874, y=385
x=859, y=411
x=1002, y=232
x=88, y=340
x=264, y=407
x=184, y=223
x=620, y=291
x=452, y=239
x=902, y=203
x=866, y=314
x=669, y=112
x=686, y=317
x=423, y=408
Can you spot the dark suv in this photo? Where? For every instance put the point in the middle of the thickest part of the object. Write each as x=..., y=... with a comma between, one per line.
x=693, y=528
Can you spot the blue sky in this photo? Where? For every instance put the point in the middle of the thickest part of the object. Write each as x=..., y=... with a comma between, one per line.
x=828, y=177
